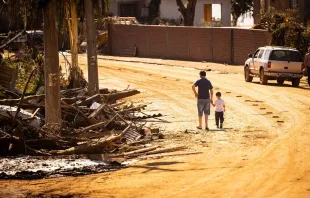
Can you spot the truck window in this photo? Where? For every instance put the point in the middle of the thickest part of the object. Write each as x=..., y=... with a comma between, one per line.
x=294, y=56
x=260, y=54
x=267, y=54
x=285, y=55
x=256, y=53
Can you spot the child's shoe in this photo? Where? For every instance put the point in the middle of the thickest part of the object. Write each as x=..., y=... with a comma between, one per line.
x=221, y=126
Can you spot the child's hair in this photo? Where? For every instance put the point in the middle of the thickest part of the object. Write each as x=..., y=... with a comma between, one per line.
x=218, y=94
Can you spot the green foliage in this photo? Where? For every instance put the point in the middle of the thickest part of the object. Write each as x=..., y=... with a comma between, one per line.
x=239, y=8
x=286, y=29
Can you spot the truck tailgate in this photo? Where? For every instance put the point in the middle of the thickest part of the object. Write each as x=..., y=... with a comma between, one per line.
x=286, y=66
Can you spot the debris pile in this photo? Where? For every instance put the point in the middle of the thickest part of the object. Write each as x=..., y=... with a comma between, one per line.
x=98, y=124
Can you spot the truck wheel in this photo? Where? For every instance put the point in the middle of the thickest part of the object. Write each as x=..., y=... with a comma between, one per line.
x=263, y=78
x=280, y=81
x=247, y=76
x=295, y=82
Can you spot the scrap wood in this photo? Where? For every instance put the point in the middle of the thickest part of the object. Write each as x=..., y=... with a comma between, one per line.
x=10, y=93
x=96, y=112
x=13, y=39
x=14, y=102
x=77, y=110
x=73, y=99
x=93, y=147
x=94, y=126
x=46, y=144
x=90, y=100
x=137, y=108
x=119, y=95
x=117, y=114
x=71, y=91
x=144, y=141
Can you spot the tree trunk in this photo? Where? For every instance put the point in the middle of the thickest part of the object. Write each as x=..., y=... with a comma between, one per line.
x=234, y=21
x=187, y=12
x=51, y=68
x=74, y=34
x=93, y=81
x=72, y=19
x=189, y=18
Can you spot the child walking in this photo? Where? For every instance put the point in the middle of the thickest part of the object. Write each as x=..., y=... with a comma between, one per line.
x=219, y=105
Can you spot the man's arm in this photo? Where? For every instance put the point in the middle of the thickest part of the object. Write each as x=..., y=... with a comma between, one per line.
x=211, y=96
x=194, y=90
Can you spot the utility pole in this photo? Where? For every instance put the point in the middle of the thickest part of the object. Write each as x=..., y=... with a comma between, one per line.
x=51, y=68
x=93, y=81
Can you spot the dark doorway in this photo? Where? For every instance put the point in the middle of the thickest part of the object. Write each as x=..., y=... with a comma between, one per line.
x=128, y=10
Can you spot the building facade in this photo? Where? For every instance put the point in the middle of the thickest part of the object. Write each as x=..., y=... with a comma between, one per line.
x=168, y=9
x=129, y=8
x=282, y=5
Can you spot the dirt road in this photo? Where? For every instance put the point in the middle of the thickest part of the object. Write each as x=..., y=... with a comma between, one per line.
x=264, y=150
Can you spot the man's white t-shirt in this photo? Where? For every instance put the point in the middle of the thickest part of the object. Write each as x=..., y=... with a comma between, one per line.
x=219, y=105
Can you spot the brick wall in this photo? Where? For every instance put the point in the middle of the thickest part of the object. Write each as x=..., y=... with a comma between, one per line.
x=222, y=45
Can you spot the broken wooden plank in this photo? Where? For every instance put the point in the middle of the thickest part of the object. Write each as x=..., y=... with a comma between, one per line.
x=138, y=108
x=73, y=99
x=90, y=100
x=119, y=95
x=97, y=111
x=13, y=102
x=93, y=147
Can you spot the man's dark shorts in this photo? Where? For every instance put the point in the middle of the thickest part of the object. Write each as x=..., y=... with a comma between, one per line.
x=203, y=107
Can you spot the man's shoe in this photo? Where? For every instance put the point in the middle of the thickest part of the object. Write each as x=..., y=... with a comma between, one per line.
x=207, y=129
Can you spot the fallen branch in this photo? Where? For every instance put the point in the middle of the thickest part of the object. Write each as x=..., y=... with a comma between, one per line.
x=21, y=99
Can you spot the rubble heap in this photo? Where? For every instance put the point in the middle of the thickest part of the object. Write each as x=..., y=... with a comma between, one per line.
x=98, y=124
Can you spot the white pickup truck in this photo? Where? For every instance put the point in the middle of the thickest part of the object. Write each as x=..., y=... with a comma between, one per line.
x=274, y=63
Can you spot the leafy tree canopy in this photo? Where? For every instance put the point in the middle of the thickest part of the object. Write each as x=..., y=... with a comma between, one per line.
x=239, y=8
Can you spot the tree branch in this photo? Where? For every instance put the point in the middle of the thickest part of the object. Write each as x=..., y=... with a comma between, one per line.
x=192, y=5
x=182, y=8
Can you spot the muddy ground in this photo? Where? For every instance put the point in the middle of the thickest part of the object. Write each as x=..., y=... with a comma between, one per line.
x=263, y=150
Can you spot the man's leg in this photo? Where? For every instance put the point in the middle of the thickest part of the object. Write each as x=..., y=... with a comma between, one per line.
x=200, y=122
x=206, y=121
x=200, y=107
x=206, y=112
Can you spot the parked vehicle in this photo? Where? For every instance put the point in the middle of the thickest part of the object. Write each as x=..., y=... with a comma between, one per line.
x=274, y=63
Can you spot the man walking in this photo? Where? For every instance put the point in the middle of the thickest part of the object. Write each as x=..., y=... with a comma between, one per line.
x=204, y=98
x=307, y=64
